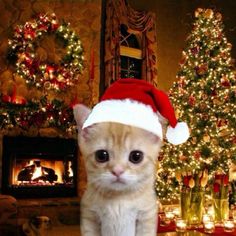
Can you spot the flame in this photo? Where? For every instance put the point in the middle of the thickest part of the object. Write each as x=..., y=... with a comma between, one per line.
x=37, y=173
x=70, y=170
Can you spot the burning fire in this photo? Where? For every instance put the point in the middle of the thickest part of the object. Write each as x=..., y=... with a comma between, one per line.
x=43, y=172
x=37, y=173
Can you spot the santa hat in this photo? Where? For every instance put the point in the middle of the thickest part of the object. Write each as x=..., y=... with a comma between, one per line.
x=138, y=103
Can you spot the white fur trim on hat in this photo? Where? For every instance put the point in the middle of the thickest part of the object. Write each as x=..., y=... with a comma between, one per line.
x=126, y=112
x=179, y=134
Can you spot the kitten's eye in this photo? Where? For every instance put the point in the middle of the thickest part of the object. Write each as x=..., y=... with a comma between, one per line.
x=101, y=156
x=136, y=157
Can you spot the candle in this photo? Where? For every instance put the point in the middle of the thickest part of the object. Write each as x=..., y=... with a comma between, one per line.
x=211, y=211
x=206, y=217
x=163, y=220
x=176, y=212
x=181, y=225
x=228, y=225
x=209, y=226
x=170, y=215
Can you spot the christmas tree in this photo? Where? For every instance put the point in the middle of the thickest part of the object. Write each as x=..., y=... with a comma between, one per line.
x=204, y=96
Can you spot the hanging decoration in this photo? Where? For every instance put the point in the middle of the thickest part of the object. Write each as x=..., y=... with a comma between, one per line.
x=38, y=73
x=37, y=114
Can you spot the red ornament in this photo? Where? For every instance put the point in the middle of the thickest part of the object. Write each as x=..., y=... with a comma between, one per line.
x=191, y=100
x=201, y=69
x=197, y=155
x=195, y=50
x=233, y=140
x=50, y=69
x=225, y=82
x=24, y=123
x=222, y=122
x=6, y=98
x=213, y=93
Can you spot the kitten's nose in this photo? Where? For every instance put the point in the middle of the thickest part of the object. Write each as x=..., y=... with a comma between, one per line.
x=117, y=171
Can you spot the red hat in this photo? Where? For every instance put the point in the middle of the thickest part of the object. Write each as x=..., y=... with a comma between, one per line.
x=138, y=103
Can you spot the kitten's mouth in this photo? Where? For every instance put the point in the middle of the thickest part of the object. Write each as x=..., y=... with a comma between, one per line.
x=118, y=180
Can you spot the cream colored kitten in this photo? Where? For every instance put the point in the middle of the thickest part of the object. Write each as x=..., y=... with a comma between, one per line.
x=120, y=162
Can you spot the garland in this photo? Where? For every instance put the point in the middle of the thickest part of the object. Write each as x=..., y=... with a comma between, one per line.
x=40, y=74
x=37, y=114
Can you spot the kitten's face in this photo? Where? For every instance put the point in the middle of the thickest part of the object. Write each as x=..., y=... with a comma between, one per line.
x=118, y=157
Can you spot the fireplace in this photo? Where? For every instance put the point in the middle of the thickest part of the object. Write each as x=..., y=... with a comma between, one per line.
x=35, y=167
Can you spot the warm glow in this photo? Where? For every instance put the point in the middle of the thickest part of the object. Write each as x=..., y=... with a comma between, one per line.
x=37, y=173
x=42, y=172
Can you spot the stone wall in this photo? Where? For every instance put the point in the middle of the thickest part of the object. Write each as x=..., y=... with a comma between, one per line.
x=85, y=19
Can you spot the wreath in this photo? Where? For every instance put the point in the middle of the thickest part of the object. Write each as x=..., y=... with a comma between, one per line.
x=41, y=74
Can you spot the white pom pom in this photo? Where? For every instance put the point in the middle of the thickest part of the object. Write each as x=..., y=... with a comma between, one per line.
x=179, y=134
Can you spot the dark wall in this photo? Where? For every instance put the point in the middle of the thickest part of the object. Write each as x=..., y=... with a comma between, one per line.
x=174, y=23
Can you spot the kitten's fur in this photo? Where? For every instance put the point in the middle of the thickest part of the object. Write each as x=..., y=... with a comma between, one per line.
x=124, y=205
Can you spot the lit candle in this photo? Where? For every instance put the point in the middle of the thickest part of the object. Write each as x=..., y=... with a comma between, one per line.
x=181, y=225
x=228, y=226
x=176, y=212
x=170, y=215
x=163, y=220
x=206, y=217
x=209, y=226
x=211, y=211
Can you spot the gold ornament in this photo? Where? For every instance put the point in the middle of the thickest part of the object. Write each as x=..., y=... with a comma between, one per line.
x=47, y=85
x=208, y=13
x=182, y=158
x=198, y=11
x=206, y=138
x=224, y=133
x=216, y=101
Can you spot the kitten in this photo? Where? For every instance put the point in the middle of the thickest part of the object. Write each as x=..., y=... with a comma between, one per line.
x=120, y=162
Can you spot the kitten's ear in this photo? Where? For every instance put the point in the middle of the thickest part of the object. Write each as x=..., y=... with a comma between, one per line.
x=81, y=113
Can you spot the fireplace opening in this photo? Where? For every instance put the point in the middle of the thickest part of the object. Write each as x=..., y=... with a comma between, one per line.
x=39, y=167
